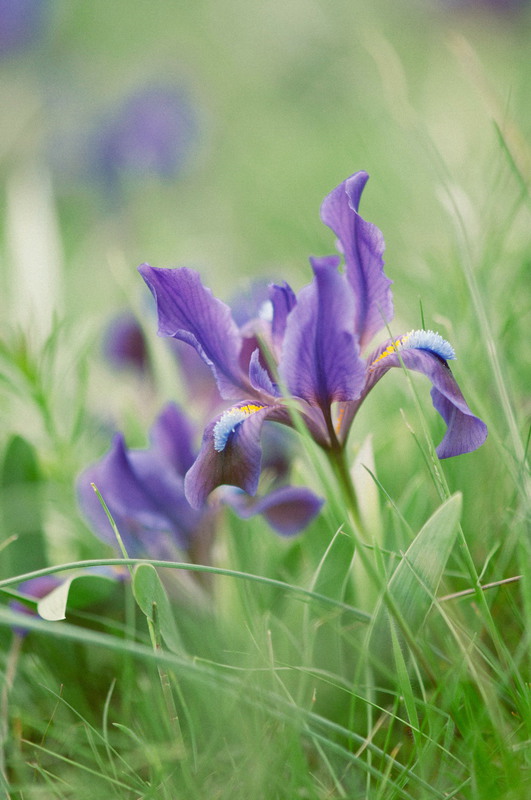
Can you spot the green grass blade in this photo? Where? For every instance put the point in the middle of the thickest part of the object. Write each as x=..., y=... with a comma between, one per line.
x=413, y=584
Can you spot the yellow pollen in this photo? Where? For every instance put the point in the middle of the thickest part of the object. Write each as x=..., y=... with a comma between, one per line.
x=394, y=347
x=340, y=419
x=249, y=409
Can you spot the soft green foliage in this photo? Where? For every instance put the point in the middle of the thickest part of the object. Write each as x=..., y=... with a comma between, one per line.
x=384, y=653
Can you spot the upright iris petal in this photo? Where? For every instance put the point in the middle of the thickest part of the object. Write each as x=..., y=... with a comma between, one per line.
x=320, y=358
x=363, y=245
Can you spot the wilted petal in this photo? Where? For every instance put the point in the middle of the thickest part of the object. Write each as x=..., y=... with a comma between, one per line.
x=230, y=453
x=35, y=589
x=320, y=357
x=363, y=245
x=188, y=311
x=288, y=510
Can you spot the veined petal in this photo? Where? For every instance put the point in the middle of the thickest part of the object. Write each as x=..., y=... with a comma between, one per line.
x=320, y=357
x=230, y=453
x=187, y=310
x=465, y=432
x=363, y=245
x=288, y=509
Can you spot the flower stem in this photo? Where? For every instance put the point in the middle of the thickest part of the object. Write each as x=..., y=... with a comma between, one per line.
x=336, y=457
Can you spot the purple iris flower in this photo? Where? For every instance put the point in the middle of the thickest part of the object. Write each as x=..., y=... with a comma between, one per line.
x=151, y=134
x=125, y=345
x=144, y=491
x=22, y=22
x=309, y=347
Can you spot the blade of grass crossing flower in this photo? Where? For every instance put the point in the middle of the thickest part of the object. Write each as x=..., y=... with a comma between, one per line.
x=111, y=521
x=360, y=616
x=413, y=584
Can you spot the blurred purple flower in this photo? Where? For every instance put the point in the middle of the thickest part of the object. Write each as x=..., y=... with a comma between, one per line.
x=309, y=345
x=22, y=22
x=144, y=491
x=124, y=344
x=151, y=134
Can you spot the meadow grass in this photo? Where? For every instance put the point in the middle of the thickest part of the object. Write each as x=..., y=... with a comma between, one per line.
x=384, y=652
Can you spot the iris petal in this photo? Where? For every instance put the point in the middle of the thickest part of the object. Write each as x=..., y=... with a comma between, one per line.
x=465, y=432
x=288, y=509
x=238, y=460
x=363, y=245
x=320, y=357
x=188, y=311
x=144, y=493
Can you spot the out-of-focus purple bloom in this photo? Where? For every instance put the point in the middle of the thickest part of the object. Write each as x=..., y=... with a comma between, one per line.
x=144, y=491
x=310, y=347
x=124, y=344
x=152, y=134
x=125, y=347
x=21, y=23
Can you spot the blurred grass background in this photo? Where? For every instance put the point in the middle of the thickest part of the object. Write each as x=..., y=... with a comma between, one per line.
x=286, y=100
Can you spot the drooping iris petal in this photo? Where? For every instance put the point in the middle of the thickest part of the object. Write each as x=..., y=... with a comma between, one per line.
x=465, y=432
x=187, y=310
x=230, y=453
x=363, y=245
x=320, y=357
x=288, y=509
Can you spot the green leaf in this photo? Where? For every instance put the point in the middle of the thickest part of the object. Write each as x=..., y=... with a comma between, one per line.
x=77, y=591
x=21, y=511
x=151, y=596
x=414, y=583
